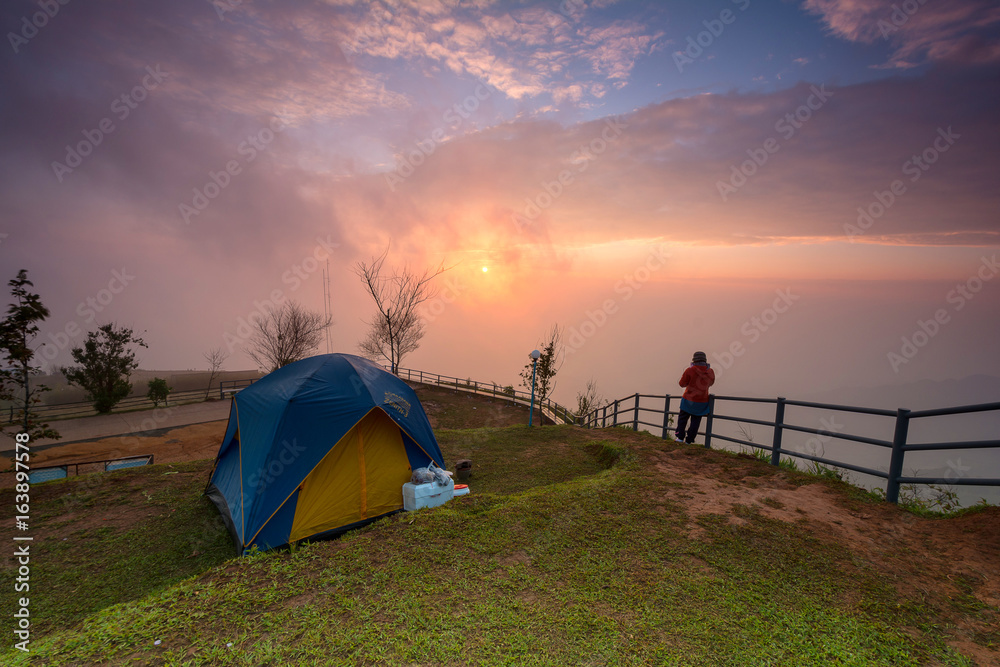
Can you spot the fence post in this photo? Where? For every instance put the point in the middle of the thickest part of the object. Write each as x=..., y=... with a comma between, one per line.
x=896, y=462
x=635, y=416
x=614, y=417
x=708, y=422
x=779, y=419
x=666, y=417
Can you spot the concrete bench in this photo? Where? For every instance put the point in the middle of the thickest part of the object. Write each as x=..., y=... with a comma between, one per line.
x=130, y=462
x=39, y=475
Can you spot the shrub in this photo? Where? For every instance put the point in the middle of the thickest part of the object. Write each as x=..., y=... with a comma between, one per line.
x=158, y=391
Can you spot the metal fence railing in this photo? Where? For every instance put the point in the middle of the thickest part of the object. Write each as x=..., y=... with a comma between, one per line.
x=86, y=408
x=228, y=387
x=557, y=413
x=53, y=471
x=633, y=413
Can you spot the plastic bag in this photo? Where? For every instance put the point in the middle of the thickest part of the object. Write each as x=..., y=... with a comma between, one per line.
x=441, y=477
x=431, y=474
x=422, y=476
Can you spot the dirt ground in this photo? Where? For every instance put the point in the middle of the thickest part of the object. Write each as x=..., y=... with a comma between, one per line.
x=950, y=564
x=185, y=443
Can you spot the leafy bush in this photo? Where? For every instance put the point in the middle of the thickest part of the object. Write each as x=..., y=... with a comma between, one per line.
x=158, y=391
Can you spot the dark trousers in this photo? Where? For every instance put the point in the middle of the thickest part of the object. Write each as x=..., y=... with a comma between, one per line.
x=682, y=422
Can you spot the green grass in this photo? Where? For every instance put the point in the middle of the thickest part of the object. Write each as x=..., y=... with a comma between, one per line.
x=569, y=551
x=84, y=570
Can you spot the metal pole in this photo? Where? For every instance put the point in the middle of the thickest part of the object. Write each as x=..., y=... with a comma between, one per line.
x=708, y=422
x=779, y=419
x=531, y=410
x=635, y=416
x=896, y=462
x=666, y=417
x=614, y=417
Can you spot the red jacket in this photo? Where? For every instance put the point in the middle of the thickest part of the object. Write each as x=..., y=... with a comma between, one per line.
x=697, y=379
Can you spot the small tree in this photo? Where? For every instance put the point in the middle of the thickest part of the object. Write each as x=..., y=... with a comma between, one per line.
x=589, y=399
x=396, y=329
x=215, y=358
x=17, y=331
x=158, y=391
x=106, y=363
x=379, y=342
x=285, y=334
x=547, y=366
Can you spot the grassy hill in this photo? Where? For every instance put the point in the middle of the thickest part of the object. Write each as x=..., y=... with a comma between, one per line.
x=575, y=547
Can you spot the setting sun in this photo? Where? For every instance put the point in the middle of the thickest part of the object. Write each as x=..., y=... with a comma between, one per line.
x=485, y=269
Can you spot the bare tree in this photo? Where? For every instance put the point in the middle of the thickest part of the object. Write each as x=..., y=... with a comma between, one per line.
x=377, y=344
x=589, y=399
x=396, y=329
x=215, y=358
x=285, y=334
x=548, y=365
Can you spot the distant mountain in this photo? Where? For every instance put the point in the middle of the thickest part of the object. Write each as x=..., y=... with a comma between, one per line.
x=922, y=395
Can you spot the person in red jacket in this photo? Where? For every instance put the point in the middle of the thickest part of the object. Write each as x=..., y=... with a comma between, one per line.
x=697, y=378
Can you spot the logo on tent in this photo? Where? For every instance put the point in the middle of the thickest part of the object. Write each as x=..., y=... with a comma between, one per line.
x=398, y=402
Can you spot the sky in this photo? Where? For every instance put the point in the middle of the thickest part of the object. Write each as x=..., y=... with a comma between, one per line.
x=805, y=190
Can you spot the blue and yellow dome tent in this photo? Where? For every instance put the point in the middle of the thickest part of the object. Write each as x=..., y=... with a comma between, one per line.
x=316, y=448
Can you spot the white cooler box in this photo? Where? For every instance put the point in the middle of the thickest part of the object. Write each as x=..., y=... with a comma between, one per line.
x=416, y=496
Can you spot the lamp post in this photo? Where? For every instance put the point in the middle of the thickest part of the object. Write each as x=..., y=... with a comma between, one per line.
x=534, y=363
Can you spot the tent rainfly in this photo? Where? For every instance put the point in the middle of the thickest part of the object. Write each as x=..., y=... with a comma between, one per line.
x=316, y=448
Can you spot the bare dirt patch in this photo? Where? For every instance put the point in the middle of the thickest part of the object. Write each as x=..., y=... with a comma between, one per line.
x=952, y=564
x=184, y=443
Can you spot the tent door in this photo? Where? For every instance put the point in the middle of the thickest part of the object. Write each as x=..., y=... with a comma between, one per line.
x=361, y=477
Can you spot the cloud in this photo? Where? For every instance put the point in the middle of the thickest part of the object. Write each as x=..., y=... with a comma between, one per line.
x=524, y=52
x=962, y=31
x=660, y=177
